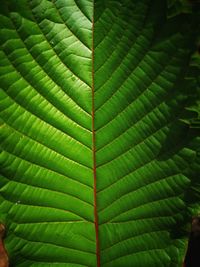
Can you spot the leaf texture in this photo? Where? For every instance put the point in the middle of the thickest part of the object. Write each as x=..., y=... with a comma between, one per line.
x=99, y=158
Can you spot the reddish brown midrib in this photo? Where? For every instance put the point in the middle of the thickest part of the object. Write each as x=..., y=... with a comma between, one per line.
x=94, y=155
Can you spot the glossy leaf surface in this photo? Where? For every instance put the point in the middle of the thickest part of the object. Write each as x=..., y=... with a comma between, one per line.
x=99, y=146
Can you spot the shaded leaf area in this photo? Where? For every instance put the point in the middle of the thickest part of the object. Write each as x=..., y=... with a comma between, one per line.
x=176, y=7
x=147, y=154
x=146, y=129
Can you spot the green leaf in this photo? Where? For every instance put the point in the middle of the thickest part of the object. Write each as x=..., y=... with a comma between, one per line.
x=99, y=133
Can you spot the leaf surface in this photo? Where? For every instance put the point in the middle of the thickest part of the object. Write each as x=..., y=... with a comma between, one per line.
x=99, y=150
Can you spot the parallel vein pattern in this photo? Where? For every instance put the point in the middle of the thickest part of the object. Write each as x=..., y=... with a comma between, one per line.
x=142, y=163
x=47, y=178
x=99, y=148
